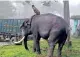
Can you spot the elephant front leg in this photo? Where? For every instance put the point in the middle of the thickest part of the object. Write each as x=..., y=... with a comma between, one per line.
x=38, y=47
x=36, y=41
x=34, y=46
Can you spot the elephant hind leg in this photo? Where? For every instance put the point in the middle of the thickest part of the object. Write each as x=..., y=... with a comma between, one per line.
x=51, y=50
x=61, y=44
x=52, y=42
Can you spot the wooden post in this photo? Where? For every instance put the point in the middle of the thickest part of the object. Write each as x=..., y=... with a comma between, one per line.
x=67, y=18
x=66, y=11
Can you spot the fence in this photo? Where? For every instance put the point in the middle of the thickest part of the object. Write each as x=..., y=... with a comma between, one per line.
x=10, y=25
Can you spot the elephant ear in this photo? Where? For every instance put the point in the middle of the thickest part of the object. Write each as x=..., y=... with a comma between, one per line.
x=25, y=23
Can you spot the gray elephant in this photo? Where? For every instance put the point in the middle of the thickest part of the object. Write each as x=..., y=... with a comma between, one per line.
x=48, y=26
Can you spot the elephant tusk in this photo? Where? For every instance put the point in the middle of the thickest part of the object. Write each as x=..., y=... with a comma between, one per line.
x=20, y=40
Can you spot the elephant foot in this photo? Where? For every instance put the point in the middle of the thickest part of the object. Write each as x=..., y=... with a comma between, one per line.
x=49, y=56
x=59, y=56
x=34, y=50
x=26, y=48
x=38, y=52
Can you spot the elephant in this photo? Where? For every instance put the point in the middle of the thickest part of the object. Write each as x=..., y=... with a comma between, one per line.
x=47, y=26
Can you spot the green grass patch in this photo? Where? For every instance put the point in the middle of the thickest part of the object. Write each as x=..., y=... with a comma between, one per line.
x=19, y=51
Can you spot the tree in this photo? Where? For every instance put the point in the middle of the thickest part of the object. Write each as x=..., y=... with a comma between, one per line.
x=46, y=3
x=6, y=10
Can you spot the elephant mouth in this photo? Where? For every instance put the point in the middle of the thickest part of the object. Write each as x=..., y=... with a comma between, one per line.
x=20, y=40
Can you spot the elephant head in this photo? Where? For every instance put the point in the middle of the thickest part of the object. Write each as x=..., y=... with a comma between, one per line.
x=25, y=29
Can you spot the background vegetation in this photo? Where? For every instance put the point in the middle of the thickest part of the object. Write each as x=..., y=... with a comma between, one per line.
x=19, y=51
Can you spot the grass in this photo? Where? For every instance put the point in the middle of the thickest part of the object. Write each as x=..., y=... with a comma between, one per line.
x=19, y=51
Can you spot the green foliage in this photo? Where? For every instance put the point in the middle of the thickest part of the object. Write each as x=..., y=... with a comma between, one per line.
x=19, y=51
